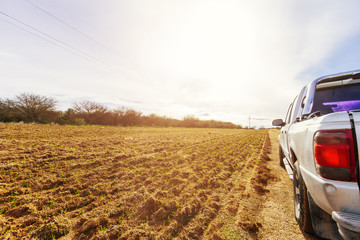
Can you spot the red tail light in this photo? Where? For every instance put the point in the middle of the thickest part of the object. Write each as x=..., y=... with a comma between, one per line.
x=334, y=155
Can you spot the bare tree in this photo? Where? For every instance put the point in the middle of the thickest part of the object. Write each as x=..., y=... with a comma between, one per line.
x=191, y=121
x=87, y=107
x=131, y=117
x=92, y=112
x=126, y=117
x=33, y=108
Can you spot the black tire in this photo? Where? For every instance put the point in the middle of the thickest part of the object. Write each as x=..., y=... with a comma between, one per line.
x=281, y=157
x=323, y=224
x=301, y=202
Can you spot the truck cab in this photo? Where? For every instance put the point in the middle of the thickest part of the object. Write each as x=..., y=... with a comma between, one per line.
x=319, y=142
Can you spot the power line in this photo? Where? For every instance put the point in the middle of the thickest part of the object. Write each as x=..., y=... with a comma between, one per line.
x=53, y=38
x=74, y=28
x=69, y=47
x=21, y=28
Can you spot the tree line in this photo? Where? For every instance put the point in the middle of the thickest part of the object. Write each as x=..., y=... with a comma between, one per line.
x=31, y=108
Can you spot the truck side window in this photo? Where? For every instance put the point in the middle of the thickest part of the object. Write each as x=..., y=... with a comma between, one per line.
x=299, y=105
x=287, y=118
x=294, y=109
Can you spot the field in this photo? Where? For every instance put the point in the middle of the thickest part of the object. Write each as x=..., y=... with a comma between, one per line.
x=93, y=182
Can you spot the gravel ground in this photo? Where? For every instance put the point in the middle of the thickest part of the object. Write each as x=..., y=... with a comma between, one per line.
x=277, y=216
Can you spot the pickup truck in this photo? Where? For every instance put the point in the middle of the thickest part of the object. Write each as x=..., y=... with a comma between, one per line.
x=319, y=148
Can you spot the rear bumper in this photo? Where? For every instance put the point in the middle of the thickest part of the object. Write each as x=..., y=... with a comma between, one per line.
x=332, y=195
x=348, y=224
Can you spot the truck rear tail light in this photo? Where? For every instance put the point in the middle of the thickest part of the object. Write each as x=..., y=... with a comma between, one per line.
x=334, y=155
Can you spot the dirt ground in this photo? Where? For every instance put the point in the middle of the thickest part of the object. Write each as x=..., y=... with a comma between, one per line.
x=278, y=219
x=93, y=182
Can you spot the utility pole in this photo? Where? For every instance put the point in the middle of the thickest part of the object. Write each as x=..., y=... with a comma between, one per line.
x=249, y=122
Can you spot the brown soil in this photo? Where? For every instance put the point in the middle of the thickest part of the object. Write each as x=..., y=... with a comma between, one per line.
x=278, y=219
x=66, y=182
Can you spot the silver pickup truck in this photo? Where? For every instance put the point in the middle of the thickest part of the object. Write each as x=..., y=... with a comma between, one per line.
x=319, y=148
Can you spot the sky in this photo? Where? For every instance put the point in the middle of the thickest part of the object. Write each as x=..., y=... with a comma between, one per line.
x=214, y=59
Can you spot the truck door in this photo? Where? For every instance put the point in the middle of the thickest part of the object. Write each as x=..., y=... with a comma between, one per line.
x=294, y=114
x=283, y=132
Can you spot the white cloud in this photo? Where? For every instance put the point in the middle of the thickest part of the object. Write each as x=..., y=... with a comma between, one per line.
x=218, y=59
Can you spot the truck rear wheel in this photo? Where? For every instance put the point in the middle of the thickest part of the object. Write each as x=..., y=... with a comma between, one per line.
x=301, y=202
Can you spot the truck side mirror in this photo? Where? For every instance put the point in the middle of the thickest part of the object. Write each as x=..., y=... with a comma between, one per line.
x=278, y=123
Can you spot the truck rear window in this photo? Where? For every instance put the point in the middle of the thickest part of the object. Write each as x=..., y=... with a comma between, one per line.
x=337, y=99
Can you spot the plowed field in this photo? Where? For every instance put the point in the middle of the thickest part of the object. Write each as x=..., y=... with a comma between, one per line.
x=68, y=182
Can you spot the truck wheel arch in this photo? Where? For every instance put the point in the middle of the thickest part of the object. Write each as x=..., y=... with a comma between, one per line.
x=293, y=157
